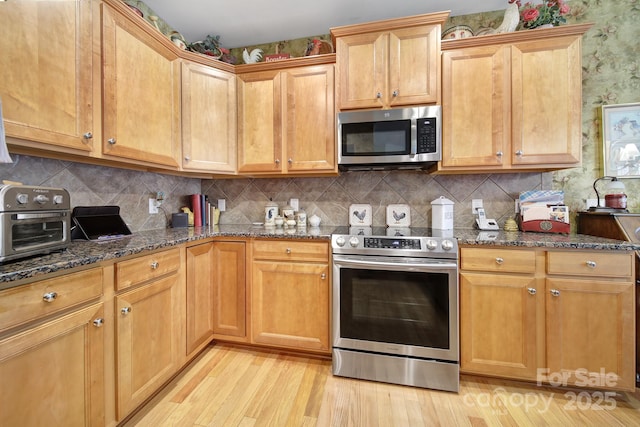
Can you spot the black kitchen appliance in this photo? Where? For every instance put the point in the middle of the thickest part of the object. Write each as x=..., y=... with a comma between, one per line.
x=98, y=223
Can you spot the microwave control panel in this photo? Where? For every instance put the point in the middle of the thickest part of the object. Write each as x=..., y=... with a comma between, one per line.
x=427, y=137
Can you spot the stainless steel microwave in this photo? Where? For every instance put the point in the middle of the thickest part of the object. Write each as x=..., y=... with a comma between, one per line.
x=403, y=138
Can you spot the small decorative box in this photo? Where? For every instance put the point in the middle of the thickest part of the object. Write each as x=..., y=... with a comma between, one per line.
x=398, y=216
x=360, y=215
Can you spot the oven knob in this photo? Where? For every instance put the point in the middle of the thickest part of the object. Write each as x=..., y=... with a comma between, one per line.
x=353, y=241
x=22, y=198
x=58, y=199
x=447, y=245
x=41, y=198
x=432, y=244
x=340, y=241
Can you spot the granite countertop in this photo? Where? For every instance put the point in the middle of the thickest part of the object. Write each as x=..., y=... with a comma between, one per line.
x=84, y=253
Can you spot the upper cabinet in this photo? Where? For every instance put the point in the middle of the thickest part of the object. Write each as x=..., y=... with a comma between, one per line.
x=141, y=92
x=389, y=63
x=286, y=121
x=46, y=74
x=513, y=101
x=208, y=119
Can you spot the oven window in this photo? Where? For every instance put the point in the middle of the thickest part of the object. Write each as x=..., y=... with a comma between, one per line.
x=409, y=308
x=29, y=234
x=376, y=138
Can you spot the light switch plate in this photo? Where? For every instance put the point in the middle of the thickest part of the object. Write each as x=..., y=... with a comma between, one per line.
x=222, y=205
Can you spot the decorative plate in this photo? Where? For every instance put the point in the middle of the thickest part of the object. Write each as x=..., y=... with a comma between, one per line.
x=360, y=215
x=398, y=216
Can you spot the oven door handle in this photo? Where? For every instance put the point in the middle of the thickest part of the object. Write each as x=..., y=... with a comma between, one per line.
x=40, y=215
x=431, y=264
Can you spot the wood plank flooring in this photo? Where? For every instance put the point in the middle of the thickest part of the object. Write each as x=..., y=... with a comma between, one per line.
x=236, y=386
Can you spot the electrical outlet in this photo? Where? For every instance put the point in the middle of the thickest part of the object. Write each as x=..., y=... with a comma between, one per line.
x=153, y=206
x=222, y=205
x=475, y=204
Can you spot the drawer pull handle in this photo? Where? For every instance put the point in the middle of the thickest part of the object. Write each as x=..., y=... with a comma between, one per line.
x=323, y=276
x=155, y=265
x=532, y=291
x=288, y=250
x=49, y=296
x=499, y=261
x=125, y=310
x=591, y=264
x=555, y=292
x=98, y=322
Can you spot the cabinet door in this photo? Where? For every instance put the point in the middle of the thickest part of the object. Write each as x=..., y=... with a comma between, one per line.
x=200, y=268
x=259, y=122
x=290, y=305
x=141, y=94
x=362, y=70
x=499, y=316
x=53, y=374
x=476, y=90
x=147, y=341
x=46, y=71
x=414, y=56
x=230, y=296
x=310, y=119
x=547, y=102
x=208, y=119
x=590, y=332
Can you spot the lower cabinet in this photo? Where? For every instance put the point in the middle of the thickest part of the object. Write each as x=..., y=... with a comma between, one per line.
x=148, y=333
x=53, y=374
x=563, y=317
x=230, y=291
x=290, y=295
x=200, y=300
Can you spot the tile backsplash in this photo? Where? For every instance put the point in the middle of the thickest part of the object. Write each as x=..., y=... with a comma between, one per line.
x=329, y=198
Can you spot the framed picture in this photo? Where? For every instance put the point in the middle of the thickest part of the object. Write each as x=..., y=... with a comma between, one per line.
x=621, y=140
x=398, y=216
x=360, y=215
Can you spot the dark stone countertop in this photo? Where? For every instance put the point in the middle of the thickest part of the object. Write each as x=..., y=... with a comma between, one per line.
x=84, y=253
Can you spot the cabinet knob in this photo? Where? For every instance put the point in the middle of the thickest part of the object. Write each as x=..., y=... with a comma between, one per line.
x=155, y=265
x=125, y=310
x=111, y=141
x=277, y=161
x=499, y=154
x=499, y=261
x=555, y=292
x=323, y=276
x=378, y=95
x=591, y=264
x=532, y=291
x=288, y=250
x=49, y=296
x=98, y=322
x=87, y=135
x=395, y=93
x=187, y=158
x=519, y=153
x=290, y=161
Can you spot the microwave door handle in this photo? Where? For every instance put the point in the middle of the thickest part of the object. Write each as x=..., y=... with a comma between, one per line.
x=414, y=137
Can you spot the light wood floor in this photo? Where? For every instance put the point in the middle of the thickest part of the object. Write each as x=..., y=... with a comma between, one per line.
x=234, y=386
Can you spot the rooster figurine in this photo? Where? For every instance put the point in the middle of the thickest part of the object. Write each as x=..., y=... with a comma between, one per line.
x=360, y=215
x=252, y=57
x=313, y=48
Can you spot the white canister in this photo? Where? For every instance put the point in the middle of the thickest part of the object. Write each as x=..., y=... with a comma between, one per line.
x=270, y=213
x=442, y=214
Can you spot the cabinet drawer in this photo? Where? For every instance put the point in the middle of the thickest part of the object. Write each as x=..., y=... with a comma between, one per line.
x=294, y=251
x=584, y=263
x=29, y=302
x=138, y=270
x=499, y=260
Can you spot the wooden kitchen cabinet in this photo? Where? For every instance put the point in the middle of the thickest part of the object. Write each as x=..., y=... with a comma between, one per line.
x=46, y=74
x=290, y=295
x=149, y=334
x=230, y=291
x=590, y=309
x=200, y=296
x=562, y=316
x=141, y=93
x=513, y=102
x=500, y=312
x=286, y=121
x=389, y=63
x=53, y=373
x=209, y=130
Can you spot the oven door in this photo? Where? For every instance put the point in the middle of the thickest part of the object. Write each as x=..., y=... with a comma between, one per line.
x=31, y=233
x=396, y=305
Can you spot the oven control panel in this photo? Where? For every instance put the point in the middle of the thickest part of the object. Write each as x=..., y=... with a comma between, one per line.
x=391, y=243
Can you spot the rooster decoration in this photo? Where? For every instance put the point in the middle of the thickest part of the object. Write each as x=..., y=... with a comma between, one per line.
x=399, y=216
x=252, y=57
x=313, y=48
x=360, y=215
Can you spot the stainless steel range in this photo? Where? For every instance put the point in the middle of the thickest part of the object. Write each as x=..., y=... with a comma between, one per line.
x=33, y=220
x=395, y=307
